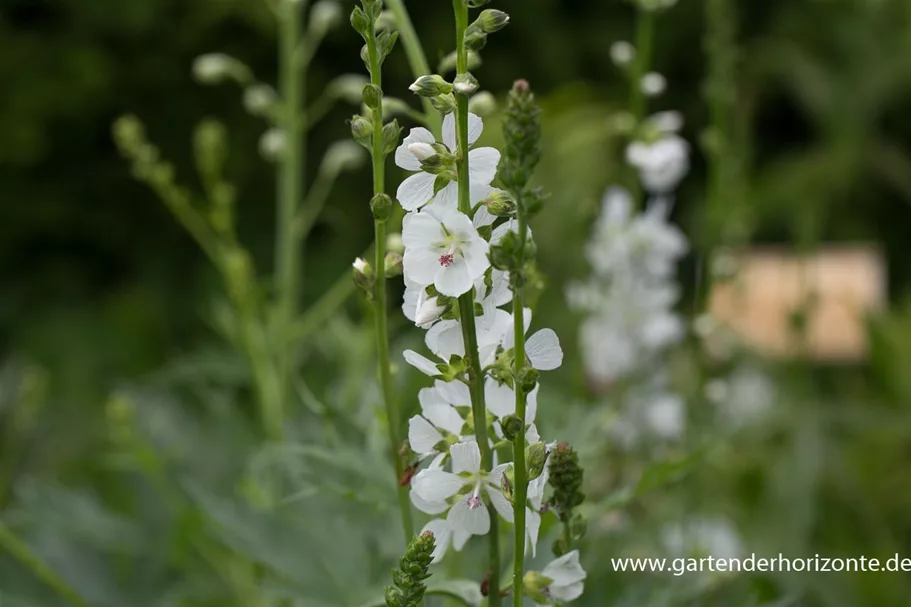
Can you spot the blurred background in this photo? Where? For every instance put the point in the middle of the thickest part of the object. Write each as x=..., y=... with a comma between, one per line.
x=130, y=458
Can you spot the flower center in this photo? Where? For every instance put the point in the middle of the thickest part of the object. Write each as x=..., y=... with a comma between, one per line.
x=447, y=260
x=474, y=502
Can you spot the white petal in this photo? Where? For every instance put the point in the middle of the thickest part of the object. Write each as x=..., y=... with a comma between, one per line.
x=421, y=363
x=411, y=298
x=425, y=506
x=475, y=254
x=445, y=339
x=416, y=191
x=453, y=280
x=535, y=494
x=446, y=418
x=500, y=398
x=565, y=570
x=405, y=159
x=475, y=127
x=421, y=266
x=543, y=350
x=482, y=165
x=466, y=457
x=455, y=393
x=436, y=485
x=479, y=191
x=429, y=397
x=531, y=405
x=421, y=230
x=482, y=217
x=509, y=337
x=531, y=434
x=475, y=521
x=459, y=539
x=442, y=535
x=500, y=504
x=449, y=131
x=565, y=594
x=532, y=526
x=447, y=198
x=422, y=435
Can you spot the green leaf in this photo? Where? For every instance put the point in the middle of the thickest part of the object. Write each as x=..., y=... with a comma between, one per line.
x=467, y=592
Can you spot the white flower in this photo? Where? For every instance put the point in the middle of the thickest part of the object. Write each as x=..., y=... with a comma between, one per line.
x=360, y=265
x=566, y=577
x=653, y=84
x=665, y=415
x=622, y=53
x=661, y=163
x=542, y=349
x=443, y=248
x=438, y=418
x=417, y=190
x=467, y=514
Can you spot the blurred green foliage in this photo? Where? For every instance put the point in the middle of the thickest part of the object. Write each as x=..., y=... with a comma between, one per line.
x=128, y=457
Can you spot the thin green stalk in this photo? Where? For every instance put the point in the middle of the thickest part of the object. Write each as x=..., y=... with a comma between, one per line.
x=519, y=465
x=466, y=306
x=378, y=155
x=290, y=192
x=416, y=58
x=645, y=34
x=20, y=551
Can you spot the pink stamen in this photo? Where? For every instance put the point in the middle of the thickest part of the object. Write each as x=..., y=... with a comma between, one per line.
x=474, y=502
x=447, y=260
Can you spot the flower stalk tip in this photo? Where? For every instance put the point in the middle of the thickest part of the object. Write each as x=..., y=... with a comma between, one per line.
x=408, y=579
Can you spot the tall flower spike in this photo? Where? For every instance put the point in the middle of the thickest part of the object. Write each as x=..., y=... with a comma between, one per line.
x=408, y=579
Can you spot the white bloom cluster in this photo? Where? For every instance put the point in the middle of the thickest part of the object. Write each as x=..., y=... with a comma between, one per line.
x=446, y=257
x=630, y=296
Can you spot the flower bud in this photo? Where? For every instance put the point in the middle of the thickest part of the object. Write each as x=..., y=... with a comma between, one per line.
x=566, y=481
x=475, y=38
x=492, y=20
x=215, y=68
x=528, y=379
x=500, y=204
x=393, y=263
x=507, y=483
x=260, y=99
x=372, y=95
x=272, y=144
x=430, y=86
x=444, y=104
x=535, y=459
x=381, y=206
x=622, y=53
x=482, y=104
x=364, y=276
x=537, y=587
x=414, y=568
x=348, y=87
x=394, y=243
x=422, y=151
x=512, y=427
x=465, y=84
x=362, y=130
x=360, y=22
x=325, y=15
x=429, y=311
x=392, y=134
x=653, y=84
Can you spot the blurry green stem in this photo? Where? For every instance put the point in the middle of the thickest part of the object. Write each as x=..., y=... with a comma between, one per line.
x=519, y=466
x=20, y=551
x=466, y=305
x=416, y=59
x=378, y=154
x=290, y=194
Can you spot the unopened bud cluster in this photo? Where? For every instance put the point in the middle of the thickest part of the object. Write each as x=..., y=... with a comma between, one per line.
x=408, y=579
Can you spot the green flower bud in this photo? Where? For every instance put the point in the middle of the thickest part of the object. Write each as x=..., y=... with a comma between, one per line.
x=500, y=204
x=413, y=569
x=360, y=22
x=364, y=276
x=537, y=586
x=566, y=480
x=273, y=144
x=522, y=135
x=381, y=205
x=503, y=255
x=362, y=130
x=528, y=379
x=444, y=104
x=475, y=38
x=431, y=85
x=392, y=134
x=260, y=100
x=393, y=264
x=507, y=483
x=492, y=20
x=215, y=68
x=385, y=42
x=372, y=95
x=535, y=459
x=512, y=427
x=465, y=84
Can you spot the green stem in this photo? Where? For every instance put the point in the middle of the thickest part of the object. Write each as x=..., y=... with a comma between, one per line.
x=290, y=192
x=379, y=301
x=645, y=34
x=416, y=58
x=20, y=551
x=466, y=306
x=519, y=465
